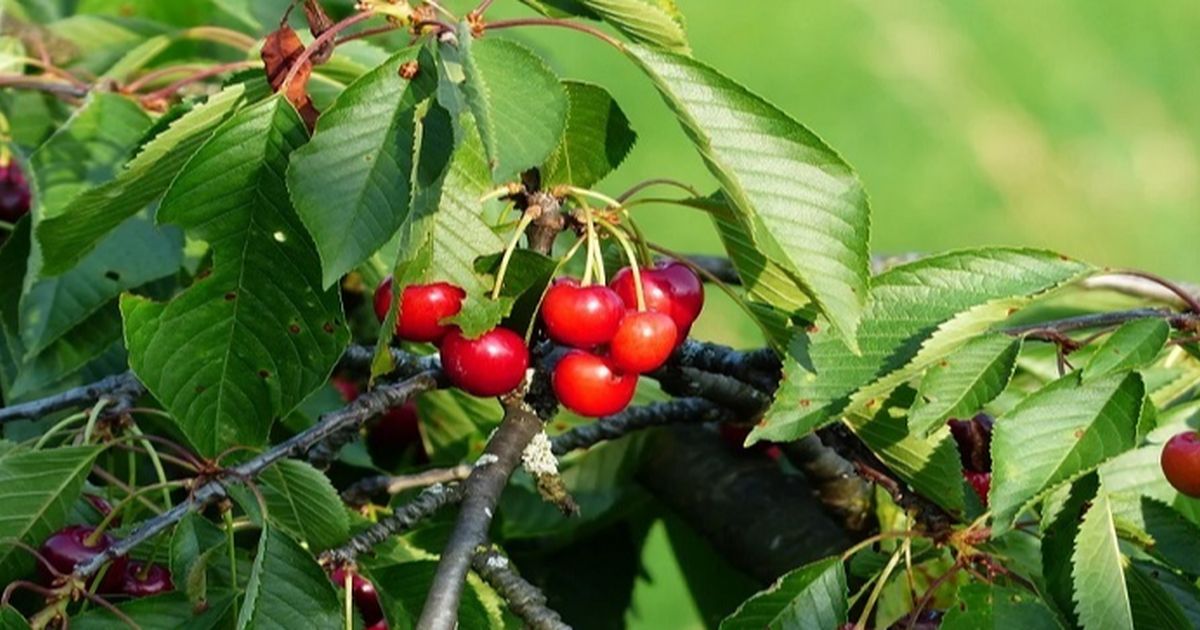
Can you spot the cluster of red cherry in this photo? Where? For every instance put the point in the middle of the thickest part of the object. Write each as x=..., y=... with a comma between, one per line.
x=612, y=340
x=76, y=544
x=974, y=438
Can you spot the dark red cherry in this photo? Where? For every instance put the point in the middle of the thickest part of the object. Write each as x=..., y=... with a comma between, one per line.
x=980, y=482
x=345, y=387
x=103, y=507
x=1181, y=463
x=491, y=365
x=644, y=341
x=734, y=436
x=423, y=307
x=583, y=317
x=362, y=592
x=70, y=546
x=142, y=580
x=396, y=431
x=379, y=625
x=974, y=438
x=592, y=386
x=14, y=193
x=670, y=287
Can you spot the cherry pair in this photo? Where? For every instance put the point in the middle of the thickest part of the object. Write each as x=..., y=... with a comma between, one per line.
x=490, y=365
x=364, y=596
x=75, y=544
x=592, y=316
x=1181, y=463
x=392, y=433
x=974, y=438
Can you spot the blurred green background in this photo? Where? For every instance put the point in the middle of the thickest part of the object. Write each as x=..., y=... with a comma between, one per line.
x=1071, y=125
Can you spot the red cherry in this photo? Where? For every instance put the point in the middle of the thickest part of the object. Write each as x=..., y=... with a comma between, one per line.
x=69, y=546
x=1181, y=463
x=591, y=386
x=14, y=193
x=491, y=365
x=345, y=387
x=734, y=437
x=157, y=579
x=670, y=287
x=981, y=483
x=394, y=432
x=422, y=309
x=363, y=593
x=643, y=342
x=583, y=317
x=379, y=625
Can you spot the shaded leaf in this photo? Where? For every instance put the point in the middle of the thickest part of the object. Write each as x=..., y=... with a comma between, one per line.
x=169, y=610
x=992, y=606
x=1060, y=432
x=246, y=344
x=288, y=589
x=1101, y=596
x=68, y=235
x=1058, y=543
x=1152, y=606
x=301, y=501
x=194, y=543
x=1164, y=533
x=596, y=140
x=813, y=596
x=37, y=489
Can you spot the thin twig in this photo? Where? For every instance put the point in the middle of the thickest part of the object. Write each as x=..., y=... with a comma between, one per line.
x=430, y=501
x=167, y=92
x=679, y=410
x=524, y=599
x=362, y=491
x=318, y=43
x=583, y=28
x=124, y=386
x=23, y=82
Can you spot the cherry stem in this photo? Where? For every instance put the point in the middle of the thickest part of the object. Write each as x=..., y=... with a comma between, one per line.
x=1192, y=302
x=526, y=219
x=319, y=43
x=154, y=75
x=871, y=540
x=367, y=32
x=54, y=430
x=482, y=8
x=33, y=552
x=220, y=35
x=93, y=416
x=875, y=592
x=196, y=77
x=590, y=237
x=348, y=598
x=660, y=181
x=575, y=26
x=638, y=288
x=92, y=539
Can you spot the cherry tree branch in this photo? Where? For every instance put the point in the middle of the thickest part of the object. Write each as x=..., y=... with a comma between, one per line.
x=481, y=494
x=524, y=599
x=677, y=411
x=119, y=387
x=427, y=503
x=354, y=414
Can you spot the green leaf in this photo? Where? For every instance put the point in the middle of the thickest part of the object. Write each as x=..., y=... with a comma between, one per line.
x=37, y=489
x=992, y=606
x=67, y=236
x=1136, y=474
x=248, y=343
x=1058, y=543
x=457, y=425
x=288, y=590
x=302, y=502
x=1101, y=597
x=1183, y=591
x=1063, y=430
x=194, y=543
x=811, y=597
x=1134, y=345
x=11, y=619
x=931, y=465
x=518, y=102
x=595, y=142
x=1165, y=533
x=92, y=338
x=353, y=184
x=169, y=610
x=137, y=58
x=643, y=22
x=1152, y=605
x=803, y=205
x=918, y=314
x=962, y=383
x=402, y=589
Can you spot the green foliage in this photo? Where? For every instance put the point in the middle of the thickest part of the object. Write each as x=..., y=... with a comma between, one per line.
x=302, y=502
x=1102, y=600
x=596, y=139
x=287, y=588
x=813, y=596
x=1133, y=345
x=251, y=340
x=964, y=381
